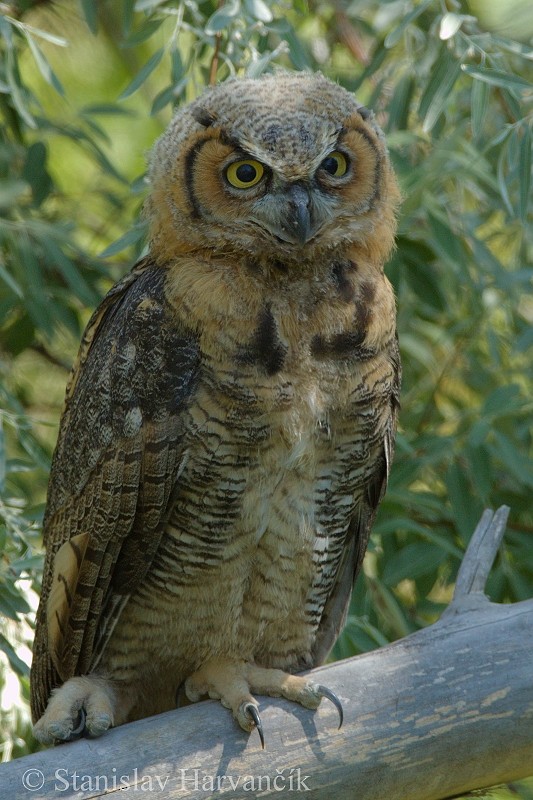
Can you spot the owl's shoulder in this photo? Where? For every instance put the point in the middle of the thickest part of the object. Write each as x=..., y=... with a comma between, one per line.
x=136, y=367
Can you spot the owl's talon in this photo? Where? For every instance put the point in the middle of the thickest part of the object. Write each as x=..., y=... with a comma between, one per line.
x=323, y=691
x=252, y=712
x=78, y=731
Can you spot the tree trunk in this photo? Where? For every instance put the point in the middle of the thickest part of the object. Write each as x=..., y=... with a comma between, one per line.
x=443, y=711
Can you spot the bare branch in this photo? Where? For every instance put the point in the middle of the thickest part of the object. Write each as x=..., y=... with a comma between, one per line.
x=480, y=554
x=437, y=714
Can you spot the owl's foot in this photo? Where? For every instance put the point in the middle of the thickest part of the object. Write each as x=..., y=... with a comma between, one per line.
x=81, y=706
x=232, y=682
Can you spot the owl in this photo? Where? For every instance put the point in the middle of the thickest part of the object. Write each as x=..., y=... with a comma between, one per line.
x=229, y=423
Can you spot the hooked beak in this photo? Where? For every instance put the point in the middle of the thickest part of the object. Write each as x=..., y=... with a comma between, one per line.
x=287, y=216
x=297, y=226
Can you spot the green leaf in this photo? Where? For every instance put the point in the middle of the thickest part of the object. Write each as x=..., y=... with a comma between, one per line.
x=399, y=106
x=63, y=315
x=162, y=99
x=481, y=471
x=222, y=18
x=419, y=272
x=44, y=67
x=396, y=34
x=433, y=100
x=16, y=466
x=499, y=137
x=26, y=29
x=131, y=237
x=298, y=51
x=17, y=93
x=502, y=172
x=107, y=109
x=257, y=67
x=447, y=244
x=496, y=77
x=466, y=507
x=518, y=48
x=259, y=10
x=41, y=314
x=148, y=29
x=102, y=159
x=359, y=636
x=36, y=174
x=302, y=7
x=148, y=5
x=176, y=65
x=18, y=335
x=128, y=11
x=405, y=523
x=139, y=184
x=396, y=616
x=39, y=457
x=12, y=604
x=379, y=56
x=10, y=191
x=479, y=104
x=17, y=664
x=414, y=347
x=90, y=12
x=412, y=561
x=521, y=589
x=449, y=25
x=524, y=171
x=520, y=466
x=143, y=74
x=70, y=272
x=10, y=281
x=424, y=281
x=503, y=400
x=525, y=340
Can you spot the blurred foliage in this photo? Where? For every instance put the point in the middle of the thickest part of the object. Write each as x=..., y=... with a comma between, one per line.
x=85, y=88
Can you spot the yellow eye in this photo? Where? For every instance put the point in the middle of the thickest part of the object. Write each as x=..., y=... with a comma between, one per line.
x=244, y=174
x=336, y=164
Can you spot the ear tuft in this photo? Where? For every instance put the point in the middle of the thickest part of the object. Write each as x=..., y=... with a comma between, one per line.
x=203, y=116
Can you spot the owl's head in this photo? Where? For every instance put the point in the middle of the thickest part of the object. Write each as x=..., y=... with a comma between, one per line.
x=284, y=167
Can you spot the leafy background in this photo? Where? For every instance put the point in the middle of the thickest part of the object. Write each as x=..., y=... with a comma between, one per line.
x=84, y=90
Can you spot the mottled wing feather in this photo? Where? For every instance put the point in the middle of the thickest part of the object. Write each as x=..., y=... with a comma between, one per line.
x=336, y=607
x=66, y=568
x=114, y=473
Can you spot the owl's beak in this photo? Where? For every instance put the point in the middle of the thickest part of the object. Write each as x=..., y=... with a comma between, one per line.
x=296, y=225
x=288, y=214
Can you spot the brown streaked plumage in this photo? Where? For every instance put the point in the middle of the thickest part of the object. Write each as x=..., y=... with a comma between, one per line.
x=229, y=423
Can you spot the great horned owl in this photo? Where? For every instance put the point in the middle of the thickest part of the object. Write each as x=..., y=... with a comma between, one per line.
x=229, y=423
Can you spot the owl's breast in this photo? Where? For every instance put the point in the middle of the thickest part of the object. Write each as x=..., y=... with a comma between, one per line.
x=283, y=430
x=277, y=456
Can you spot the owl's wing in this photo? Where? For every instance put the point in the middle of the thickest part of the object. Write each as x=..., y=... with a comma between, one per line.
x=114, y=473
x=336, y=607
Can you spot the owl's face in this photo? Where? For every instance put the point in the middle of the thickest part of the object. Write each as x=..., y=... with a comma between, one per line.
x=284, y=167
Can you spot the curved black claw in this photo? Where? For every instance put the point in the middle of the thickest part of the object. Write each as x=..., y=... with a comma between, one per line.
x=79, y=730
x=252, y=711
x=325, y=692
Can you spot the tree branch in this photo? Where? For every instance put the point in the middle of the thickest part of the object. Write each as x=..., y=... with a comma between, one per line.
x=443, y=711
x=480, y=555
